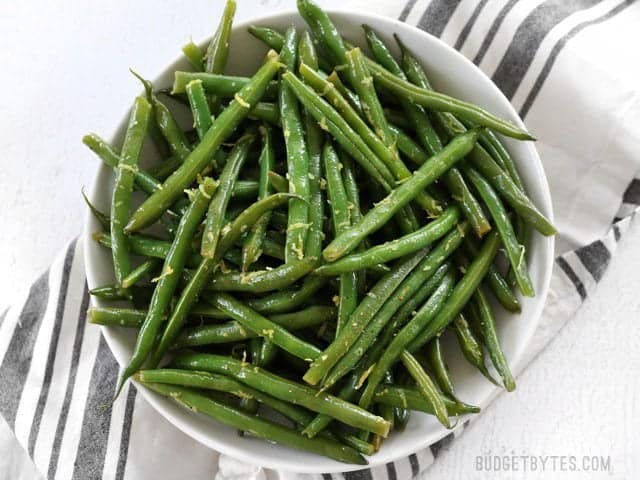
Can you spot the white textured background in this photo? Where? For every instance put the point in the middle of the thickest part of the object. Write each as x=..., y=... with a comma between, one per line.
x=64, y=73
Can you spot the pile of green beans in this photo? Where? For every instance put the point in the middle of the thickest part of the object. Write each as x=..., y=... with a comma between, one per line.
x=304, y=246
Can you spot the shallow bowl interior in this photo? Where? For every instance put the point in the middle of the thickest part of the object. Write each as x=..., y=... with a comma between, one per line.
x=451, y=73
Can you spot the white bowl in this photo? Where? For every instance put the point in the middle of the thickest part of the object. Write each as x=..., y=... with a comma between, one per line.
x=451, y=73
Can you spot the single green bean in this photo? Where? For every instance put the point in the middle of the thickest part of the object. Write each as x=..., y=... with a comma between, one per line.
x=262, y=280
x=267, y=112
x=199, y=107
x=257, y=426
x=288, y=300
x=194, y=55
x=363, y=85
x=284, y=389
x=103, y=218
x=140, y=271
x=164, y=119
x=340, y=214
x=264, y=327
x=218, y=49
x=396, y=248
x=225, y=86
x=426, y=387
x=252, y=245
x=515, y=252
x=439, y=367
x=218, y=205
x=272, y=38
x=297, y=155
x=487, y=326
x=234, y=331
x=199, y=158
x=123, y=187
x=412, y=399
x=382, y=212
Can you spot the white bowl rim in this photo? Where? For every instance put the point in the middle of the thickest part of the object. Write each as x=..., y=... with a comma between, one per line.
x=160, y=403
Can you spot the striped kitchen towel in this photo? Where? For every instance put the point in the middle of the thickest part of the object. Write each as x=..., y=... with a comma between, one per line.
x=57, y=375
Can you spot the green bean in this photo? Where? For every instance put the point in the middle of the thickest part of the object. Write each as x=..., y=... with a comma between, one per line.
x=165, y=121
x=396, y=248
x=340, y=214
x=199, y=158
x=164, y=169
x=220, y=383
x=194, y=55
x=415, y=113
x=272, y=38
x=144, y=181
x=363, y=85
x=423, y=272
x=245, y=190
x=218, y=49
x=439, y=367
x=287, y=300
x=207, y=266
x=168, y=280
x=110, y=292
x=496, y=282
x=402, y=341
x=426, y=387
x=428, y=137
x=199, y=107
x=287, y=390
x=386, y=154
x=144, y=246
x=131, y=318
x=139, y=272
x=278, y=182
x=412, y=399
x=471, y=348
x=359, y=320
x=297, y=155
x=440, y=102
x=102, y=218
x=462, y=292
x=116, y=316
x=351, y=97
x=225, y=86
x=218, y=205
x=267, y=112
x=329, y=119
x=123, y=187
x=252, y=245
x=499, y=179
x=264, y=327
x=262, y=280
x=487, y=327
x=515, y=252
x=382, y=212
x=234, y=331
x=255, y=425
